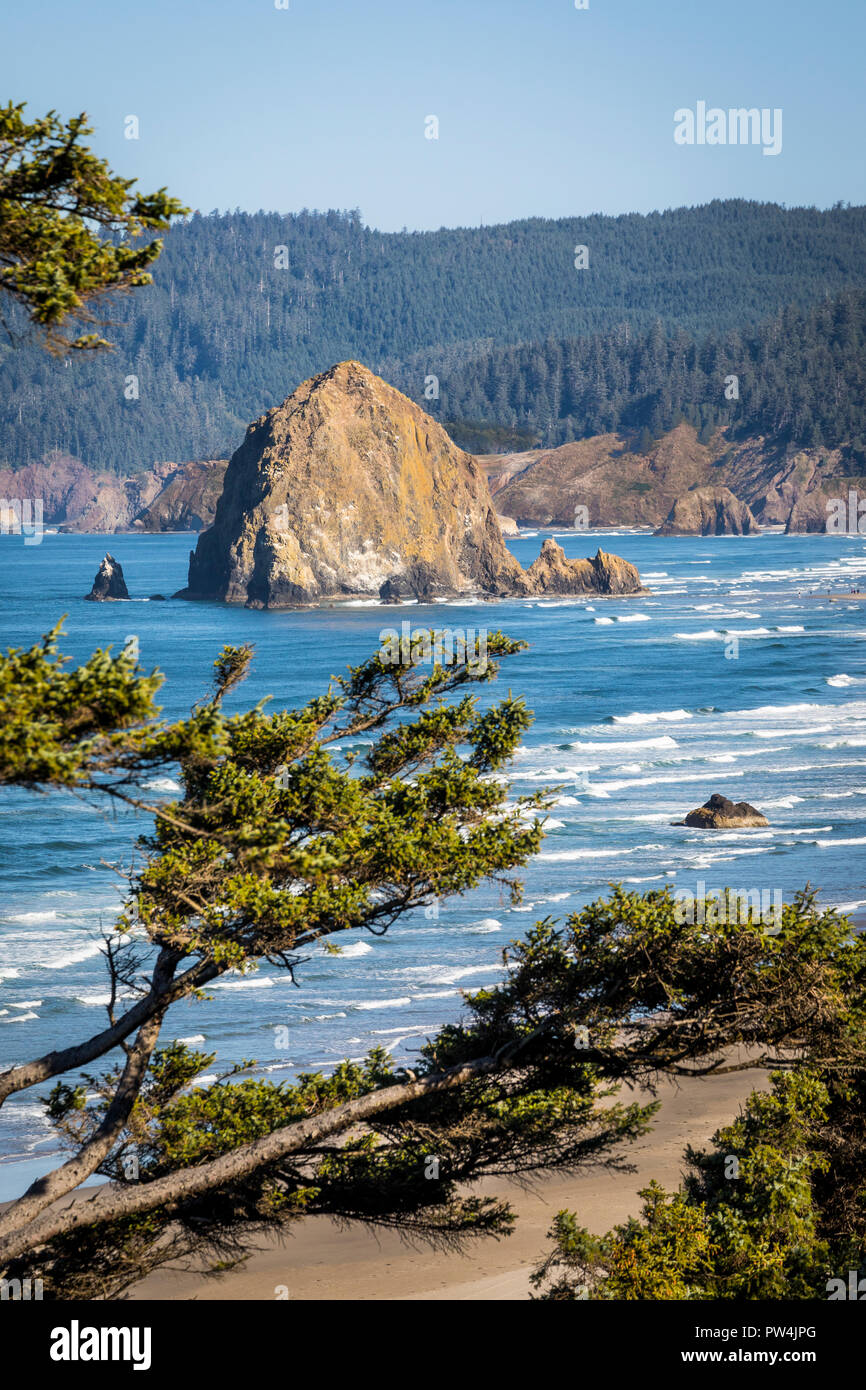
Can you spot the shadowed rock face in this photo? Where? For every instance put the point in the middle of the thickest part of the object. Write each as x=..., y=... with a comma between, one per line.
x=721, y=814
x=109, y=583
x=552, y=573
x=188, y=500
x=349, y=489
x=709, y=511
x=166, y=497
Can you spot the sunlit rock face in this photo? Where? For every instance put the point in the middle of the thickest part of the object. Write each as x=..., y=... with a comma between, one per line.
x=348, y=489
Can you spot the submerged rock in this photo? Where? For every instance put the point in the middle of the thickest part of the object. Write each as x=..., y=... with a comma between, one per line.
x=721, y=814
x=709, y=511
x=348, y=489
x=109, y=583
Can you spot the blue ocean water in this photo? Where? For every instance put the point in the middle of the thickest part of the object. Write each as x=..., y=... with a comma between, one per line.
x=643, y=708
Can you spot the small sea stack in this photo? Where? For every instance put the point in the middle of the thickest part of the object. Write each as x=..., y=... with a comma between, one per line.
x=721, y=814
x=109, y=584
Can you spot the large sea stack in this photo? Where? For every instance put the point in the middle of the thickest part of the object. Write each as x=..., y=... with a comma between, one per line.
x=348, y=489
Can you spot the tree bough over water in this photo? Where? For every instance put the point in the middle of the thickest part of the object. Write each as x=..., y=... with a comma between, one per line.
x=278, y=841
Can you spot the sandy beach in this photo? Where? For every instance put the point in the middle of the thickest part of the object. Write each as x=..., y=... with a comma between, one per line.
x=320, y=1261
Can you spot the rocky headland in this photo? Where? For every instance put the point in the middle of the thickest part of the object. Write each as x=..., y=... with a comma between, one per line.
x=76, y=498
x=619, y=484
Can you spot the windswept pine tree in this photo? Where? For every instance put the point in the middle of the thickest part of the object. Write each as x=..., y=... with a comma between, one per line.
x=68, y=228
x=279, y=840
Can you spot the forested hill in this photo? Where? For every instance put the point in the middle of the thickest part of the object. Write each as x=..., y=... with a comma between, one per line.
x=800, y=378
x=233, y=323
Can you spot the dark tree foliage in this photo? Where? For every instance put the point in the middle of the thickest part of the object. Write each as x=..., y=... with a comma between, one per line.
x=232, y=324
x=67, y=228
x=775, y=1207
x=801, y=380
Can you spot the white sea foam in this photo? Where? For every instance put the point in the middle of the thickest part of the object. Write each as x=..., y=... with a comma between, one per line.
x=398, y=1003
x=94, y=1000
x=406, y=1031
x=161, y=784
x=605, y=788
x=72, y=957
x=626, y=745
x=669, y=716
x=794, y=733
x=257, y=982
x=352, y=949
x=567, y=856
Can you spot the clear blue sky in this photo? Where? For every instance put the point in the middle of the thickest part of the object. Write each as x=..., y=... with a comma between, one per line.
x=543, y=109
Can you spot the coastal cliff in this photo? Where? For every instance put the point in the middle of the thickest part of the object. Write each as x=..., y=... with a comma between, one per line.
x=619, y=483
x=75, y=498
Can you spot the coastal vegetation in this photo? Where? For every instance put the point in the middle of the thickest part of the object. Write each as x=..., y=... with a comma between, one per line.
x=67, y=228
x=524, y=347
x=280, y=842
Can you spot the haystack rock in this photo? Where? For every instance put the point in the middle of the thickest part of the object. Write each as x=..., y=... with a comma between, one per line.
x=552, y=573
x=721, y=814
x=349, y=490
x=709, y=511
x=109, y=583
